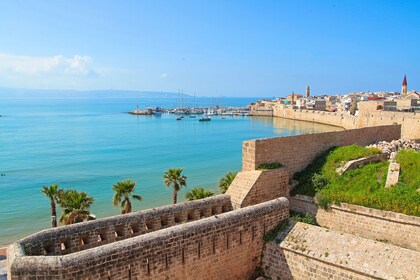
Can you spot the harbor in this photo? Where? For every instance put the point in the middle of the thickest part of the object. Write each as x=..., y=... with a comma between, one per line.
x=192, y=112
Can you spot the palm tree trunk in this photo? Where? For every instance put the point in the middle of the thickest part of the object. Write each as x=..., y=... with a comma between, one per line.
x=53, y=214
x=127, y=205
x=175, y=196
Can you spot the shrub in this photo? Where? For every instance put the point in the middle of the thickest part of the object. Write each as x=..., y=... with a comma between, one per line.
x=273, y=165
x=307, y=218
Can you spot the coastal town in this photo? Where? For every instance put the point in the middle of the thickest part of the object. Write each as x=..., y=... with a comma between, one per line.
x=404, y=101
x=204, y=140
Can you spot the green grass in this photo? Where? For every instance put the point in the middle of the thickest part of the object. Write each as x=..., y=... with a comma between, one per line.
x=364, y=185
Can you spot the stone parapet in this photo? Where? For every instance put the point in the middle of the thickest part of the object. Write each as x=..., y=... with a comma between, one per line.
x=224, y=246
x=77, y=237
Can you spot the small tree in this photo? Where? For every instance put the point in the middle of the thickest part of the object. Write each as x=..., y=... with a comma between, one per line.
x=198, y=193
x=122, y=192
x=173, y=177
x=226, y=181
x=52, y=192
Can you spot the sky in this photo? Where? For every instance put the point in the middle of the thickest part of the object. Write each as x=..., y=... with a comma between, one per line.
x=211, y=48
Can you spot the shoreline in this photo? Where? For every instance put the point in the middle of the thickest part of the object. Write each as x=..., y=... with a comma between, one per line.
x=3, y=251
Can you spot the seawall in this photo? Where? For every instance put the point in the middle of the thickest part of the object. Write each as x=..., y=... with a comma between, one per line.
x=410, y=122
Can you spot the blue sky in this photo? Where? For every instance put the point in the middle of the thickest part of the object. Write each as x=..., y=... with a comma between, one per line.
x=229, y=48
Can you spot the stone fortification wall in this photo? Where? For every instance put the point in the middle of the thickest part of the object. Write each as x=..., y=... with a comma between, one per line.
x=310, y=252
x=410, y=122
x=225, y=246
x=396, y=228
x=82, y=236
x=253, y=187
x=367, y=117
x=262, y=112
x=332, y=118
x=296, y=152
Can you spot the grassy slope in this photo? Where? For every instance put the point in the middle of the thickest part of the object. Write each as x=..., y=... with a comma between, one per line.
x=364, y=185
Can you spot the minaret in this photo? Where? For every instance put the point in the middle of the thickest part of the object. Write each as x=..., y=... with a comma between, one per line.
x=308, y=92
x=404, y=87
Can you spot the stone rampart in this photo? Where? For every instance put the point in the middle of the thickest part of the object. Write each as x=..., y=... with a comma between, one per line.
x=410, y=122
x=296, y=152
x=262, y=112
x=253, y=187
x=396, y=228
x=310, y=252
x=224, y=246
x=82, y=236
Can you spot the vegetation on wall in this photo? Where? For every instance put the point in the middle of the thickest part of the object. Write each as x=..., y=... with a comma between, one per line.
x=266, y=166
x=364, y=185
x=303, y=218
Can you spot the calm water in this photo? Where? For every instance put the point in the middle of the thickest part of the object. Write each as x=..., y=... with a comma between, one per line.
x=91, y=144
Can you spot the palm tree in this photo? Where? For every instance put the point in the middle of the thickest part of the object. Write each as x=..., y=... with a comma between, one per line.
x=198, y=193
x=52, y=192
x=173, y=177
x=75, y=206
x=123, y=190
x=225, y=181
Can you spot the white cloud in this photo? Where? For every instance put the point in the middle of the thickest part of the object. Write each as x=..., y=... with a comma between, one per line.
x=164, y=75
x=58, y=65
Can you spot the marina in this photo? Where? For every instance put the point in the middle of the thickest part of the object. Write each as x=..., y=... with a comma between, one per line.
x=192, y=112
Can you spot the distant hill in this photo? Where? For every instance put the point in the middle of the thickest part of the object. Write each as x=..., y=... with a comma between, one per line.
x=10, y=93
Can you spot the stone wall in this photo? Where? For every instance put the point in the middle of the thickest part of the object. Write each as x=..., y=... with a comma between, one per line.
x=262, y=112
x=396, y=228
x=253, y=187
x=367, y=117
x=82, y=236
x=310, y=252
x=225, y=246
x=296, y=152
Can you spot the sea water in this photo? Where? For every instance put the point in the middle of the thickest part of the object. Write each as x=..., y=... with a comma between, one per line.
x=91, y=144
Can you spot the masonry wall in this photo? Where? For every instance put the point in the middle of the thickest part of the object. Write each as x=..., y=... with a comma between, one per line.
x=310, y=252
x=262, y=112
x=410, y=122
x=396, y=228
x=82, y=236
x=296, y=152
x=253, y=187
x=225, y=246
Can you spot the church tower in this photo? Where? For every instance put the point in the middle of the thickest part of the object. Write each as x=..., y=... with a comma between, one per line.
x=308, y=92
x=404, y=87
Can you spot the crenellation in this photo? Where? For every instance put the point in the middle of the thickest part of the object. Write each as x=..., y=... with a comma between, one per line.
x=182, y=251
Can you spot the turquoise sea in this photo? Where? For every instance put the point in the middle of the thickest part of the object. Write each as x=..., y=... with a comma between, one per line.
x=90, y=144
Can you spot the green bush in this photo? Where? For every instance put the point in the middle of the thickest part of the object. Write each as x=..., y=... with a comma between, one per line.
x=318, y=181
x=273, y=165
x=307, y=218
